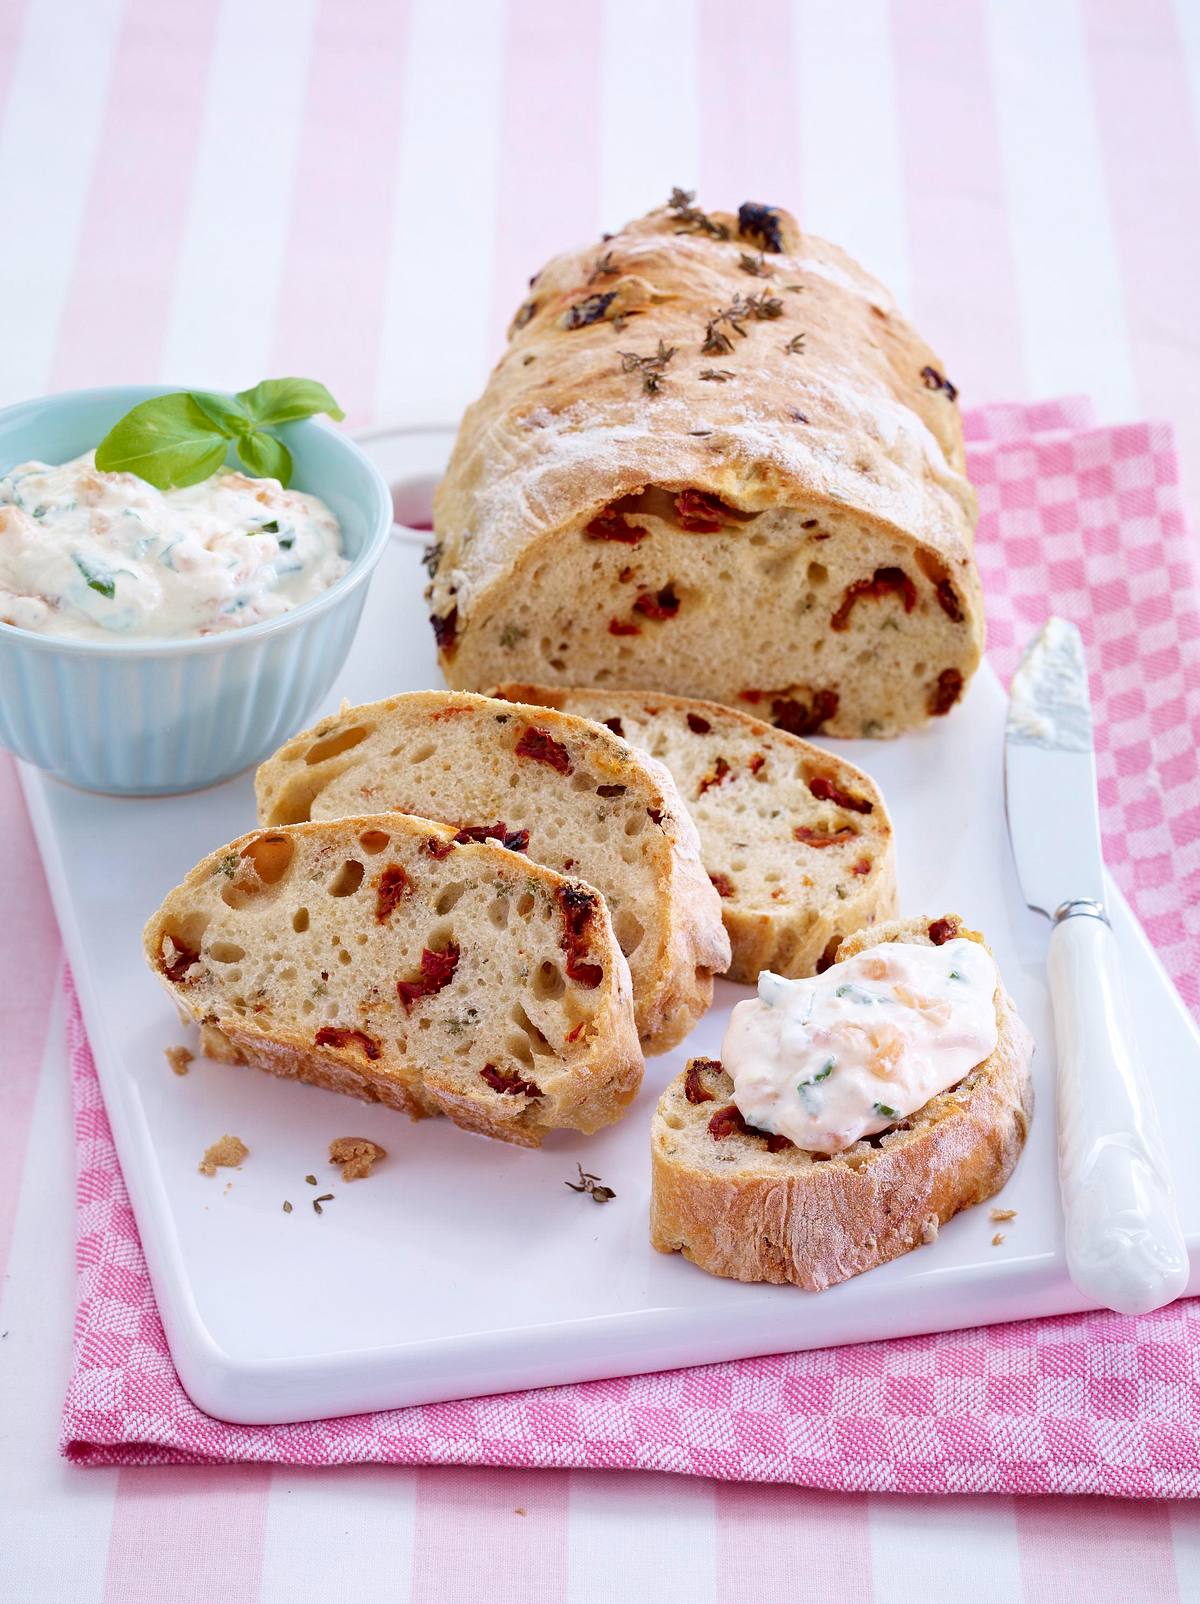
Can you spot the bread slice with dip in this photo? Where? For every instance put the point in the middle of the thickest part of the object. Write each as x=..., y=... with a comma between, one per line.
x=851, y=1115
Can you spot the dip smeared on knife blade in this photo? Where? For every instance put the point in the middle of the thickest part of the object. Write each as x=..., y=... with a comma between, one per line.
x=1048, y=702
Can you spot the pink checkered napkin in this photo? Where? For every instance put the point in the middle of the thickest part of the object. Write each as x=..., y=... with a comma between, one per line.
x=1082, y=519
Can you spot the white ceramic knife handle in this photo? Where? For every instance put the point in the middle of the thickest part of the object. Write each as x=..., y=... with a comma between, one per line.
x=1125, y=1247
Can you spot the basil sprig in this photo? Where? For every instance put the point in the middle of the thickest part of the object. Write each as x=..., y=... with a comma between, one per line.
x=175, y=440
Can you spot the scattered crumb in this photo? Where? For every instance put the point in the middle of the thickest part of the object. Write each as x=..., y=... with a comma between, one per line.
x=997, y=1239
x=287, y=1207
x=518, y=1511
x=1002, y=1214
x=228, y=1185
x=325, y=1197
x=179, y=1058
x=929, y=1229
x=356, y=1155
x=228, y=1153
x=311, y=1179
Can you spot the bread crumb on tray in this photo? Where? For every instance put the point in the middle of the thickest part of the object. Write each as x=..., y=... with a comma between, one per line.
x=228, y=1153
x=356, y=1155
x=997, y=1239
x=1002, y=1214
x=179, y=1058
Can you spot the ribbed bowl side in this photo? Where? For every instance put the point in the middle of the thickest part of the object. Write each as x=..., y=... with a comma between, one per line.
x=144, y=725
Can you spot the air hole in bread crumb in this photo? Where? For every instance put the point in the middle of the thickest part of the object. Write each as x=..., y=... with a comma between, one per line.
x=535, y=1037
x=635, y=823
x=300, y=921
x=817, y=573
x=918, y=670
x=344, y=957
x=334, y=745
x=674, y=1121
x=373, y=841
x=498, y=912
x=581, y=780
x=525, y=904
x=348, y=879
x=548, y=982
x=421, y=755
x=449, y=898
x=270, y=856
x=519, y=1047
x=629, y=931
x=307, y=1006
x=226, y=952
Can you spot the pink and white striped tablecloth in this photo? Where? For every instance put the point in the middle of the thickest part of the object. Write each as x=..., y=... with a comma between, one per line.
x=213, y=190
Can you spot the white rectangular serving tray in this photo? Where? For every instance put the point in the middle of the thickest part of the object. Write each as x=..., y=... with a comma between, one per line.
x=465, y=1266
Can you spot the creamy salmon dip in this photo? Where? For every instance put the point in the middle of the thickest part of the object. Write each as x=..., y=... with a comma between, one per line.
x=101, y=556
x=829, y=1060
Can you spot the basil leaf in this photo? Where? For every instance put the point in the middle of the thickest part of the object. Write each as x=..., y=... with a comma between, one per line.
x=168, y=441
x=884, y=1111
x=99, y=579
x=287, y=400
x=265, y=457
x=230, y=416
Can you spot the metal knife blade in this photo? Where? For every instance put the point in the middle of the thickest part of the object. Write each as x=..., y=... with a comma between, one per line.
x=1050, y=773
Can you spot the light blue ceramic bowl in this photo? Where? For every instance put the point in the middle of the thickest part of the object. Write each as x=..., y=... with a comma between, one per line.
x=147, y=718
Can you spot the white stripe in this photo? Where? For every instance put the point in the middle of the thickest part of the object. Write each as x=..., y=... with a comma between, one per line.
x=54, y=1521
x=435, y=341
x=1187, y=16
x=222, y=316
x=341, y=1534
x=641, y=1536
x=1068, y=277
x=56, y=107
x=851, y=181
x=944, y=1548
x=1185, y=1539
x=649, y=106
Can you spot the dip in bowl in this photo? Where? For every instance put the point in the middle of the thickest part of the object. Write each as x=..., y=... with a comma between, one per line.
x=157, y=641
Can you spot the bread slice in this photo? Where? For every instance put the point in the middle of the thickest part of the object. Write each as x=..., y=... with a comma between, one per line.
x=796, y=871
x=378, y=956
x=755, y=1208
x=550, y=785
x=740, y=483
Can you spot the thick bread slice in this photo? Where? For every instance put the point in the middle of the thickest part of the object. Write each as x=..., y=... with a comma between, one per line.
x=376, y=956
x=714, y=460
x=796, y=872
x=556, y=787
x=737, y=1209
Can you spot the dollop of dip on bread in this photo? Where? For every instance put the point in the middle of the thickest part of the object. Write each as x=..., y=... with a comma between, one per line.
x=845, y=1054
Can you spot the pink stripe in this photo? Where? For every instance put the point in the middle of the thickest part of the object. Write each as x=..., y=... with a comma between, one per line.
x=334, y=281
x=965, y=299
x=766, y=1552
x=1152, y=164
x=548, y=190
x=750, y=127
x=1104, y=1551
x=490, y=1534
x=189, y=1534
x=117, y=306
x=12, y=29
x=29, y=960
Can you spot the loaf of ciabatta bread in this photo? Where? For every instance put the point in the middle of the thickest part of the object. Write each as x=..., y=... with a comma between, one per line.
x=796, y=840
x=380, y=957
x=550, y=785
x=714, y=460
x=746, y=1203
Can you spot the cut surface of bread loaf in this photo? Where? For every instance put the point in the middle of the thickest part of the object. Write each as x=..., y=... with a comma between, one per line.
x=547, y=784
x=796, y=840
x=377, y=956
x=744, y=483
x=749, y=1206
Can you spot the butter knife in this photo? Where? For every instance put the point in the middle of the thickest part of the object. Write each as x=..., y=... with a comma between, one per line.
x=1125, y=1247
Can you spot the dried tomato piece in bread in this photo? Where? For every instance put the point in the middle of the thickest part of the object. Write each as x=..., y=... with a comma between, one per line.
x=741, y=484
x=796, y=841
x=454, y=998
x=543, y=783
x=739, y=1204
